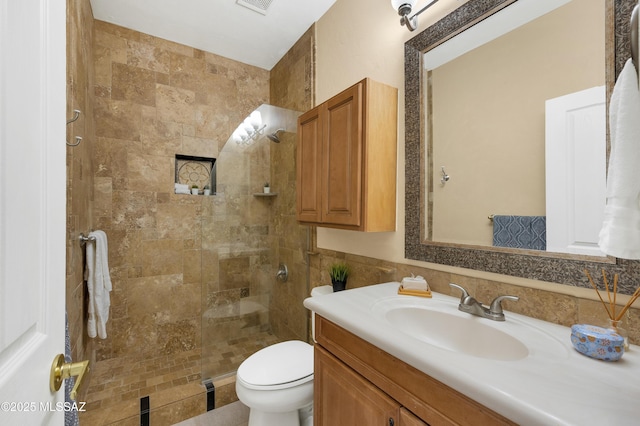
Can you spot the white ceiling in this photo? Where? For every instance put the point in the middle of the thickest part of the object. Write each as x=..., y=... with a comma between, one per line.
x=219, y=26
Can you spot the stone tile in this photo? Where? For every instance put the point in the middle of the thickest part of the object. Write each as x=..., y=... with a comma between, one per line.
x=179, y=336
x=102, y=196
x=150, y=172
x=161, y=137
x=234, y=272
x=104, y=37
x=118, y=119
x=162, y=78
x=102, y=91
x=102, y=66
x=187, y=72
x=226, y=394
x=192, y=266
x=133, y=210
x=212, y=122
x=162, y=257
x=117, y=30
x=177, y=221
x=199, y=147
x=149, y=57
x=129, y=83
x=110, y=158
x=174, y=104
x=179, y=410
x=167, y=45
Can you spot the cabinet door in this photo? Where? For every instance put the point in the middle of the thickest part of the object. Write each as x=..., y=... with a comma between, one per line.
x=408, y=419
x=308, y=188
x=342, y=158
x=343, y=397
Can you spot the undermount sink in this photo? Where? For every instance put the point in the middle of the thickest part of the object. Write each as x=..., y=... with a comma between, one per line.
x=440, y=324
x=457, y=334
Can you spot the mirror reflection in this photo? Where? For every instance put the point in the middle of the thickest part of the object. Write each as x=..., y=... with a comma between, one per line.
x=515, y=113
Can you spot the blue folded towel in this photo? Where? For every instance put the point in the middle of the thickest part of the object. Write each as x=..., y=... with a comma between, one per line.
x=526, y=232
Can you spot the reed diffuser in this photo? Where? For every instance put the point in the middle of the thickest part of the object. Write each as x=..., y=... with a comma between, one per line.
x=615, y=318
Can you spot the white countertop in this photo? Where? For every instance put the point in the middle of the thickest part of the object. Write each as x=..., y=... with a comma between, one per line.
x=562, y=388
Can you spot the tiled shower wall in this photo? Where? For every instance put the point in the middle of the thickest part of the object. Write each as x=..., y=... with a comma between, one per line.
x=80, y=168
x=156, y=99
x=292, y=82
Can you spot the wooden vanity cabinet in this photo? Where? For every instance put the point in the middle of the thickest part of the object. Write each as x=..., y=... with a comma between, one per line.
x=345, y=398
x=357, y=383
x=346, y=160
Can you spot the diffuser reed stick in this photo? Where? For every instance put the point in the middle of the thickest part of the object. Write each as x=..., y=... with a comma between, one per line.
x=611, y=309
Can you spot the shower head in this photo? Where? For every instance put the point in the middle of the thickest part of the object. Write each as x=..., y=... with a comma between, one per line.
x=273, y=137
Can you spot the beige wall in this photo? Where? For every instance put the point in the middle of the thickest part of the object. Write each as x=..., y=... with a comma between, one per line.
x=358, y=39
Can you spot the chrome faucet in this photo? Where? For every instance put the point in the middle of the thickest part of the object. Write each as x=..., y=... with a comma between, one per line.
x=471, y=306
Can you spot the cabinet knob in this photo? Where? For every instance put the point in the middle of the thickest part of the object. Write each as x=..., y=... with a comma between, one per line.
x=391, y=421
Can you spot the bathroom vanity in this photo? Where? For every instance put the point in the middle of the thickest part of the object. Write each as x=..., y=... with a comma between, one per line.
x=402, y=360
x=357, y=383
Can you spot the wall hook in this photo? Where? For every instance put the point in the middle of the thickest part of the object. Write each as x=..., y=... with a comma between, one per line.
x=76, y=115
x=445, y=177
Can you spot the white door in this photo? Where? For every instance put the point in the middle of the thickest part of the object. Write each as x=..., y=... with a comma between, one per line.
x=32, y=207
x=575, y=171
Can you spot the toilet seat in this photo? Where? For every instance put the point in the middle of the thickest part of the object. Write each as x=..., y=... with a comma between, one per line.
x=278, y=366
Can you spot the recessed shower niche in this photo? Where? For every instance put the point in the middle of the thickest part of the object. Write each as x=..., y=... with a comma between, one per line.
x=200, y=171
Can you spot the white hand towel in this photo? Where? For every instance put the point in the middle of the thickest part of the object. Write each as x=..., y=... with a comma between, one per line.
x=620, y=233
x=98, y=284
x=414, y=283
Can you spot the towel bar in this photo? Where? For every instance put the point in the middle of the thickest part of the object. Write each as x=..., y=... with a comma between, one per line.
x=83, y=239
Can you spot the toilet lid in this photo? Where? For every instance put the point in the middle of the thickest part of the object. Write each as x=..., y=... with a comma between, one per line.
x=278, y=364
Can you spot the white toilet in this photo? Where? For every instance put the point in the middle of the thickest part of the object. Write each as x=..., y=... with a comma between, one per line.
x=276, y=383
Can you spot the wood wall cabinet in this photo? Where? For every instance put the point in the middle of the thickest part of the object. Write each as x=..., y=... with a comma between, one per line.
x=346, y=160
x=355, y=380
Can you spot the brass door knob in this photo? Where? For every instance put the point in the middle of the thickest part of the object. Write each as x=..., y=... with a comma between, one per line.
x=61, y=370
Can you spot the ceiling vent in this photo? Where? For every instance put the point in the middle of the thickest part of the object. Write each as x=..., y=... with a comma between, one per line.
x=259, y=6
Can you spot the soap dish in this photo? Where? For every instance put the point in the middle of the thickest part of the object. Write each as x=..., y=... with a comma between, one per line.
x=597, y=342
x=412, y=292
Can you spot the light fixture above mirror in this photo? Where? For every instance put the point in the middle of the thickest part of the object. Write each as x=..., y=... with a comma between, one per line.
x=404, y=8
